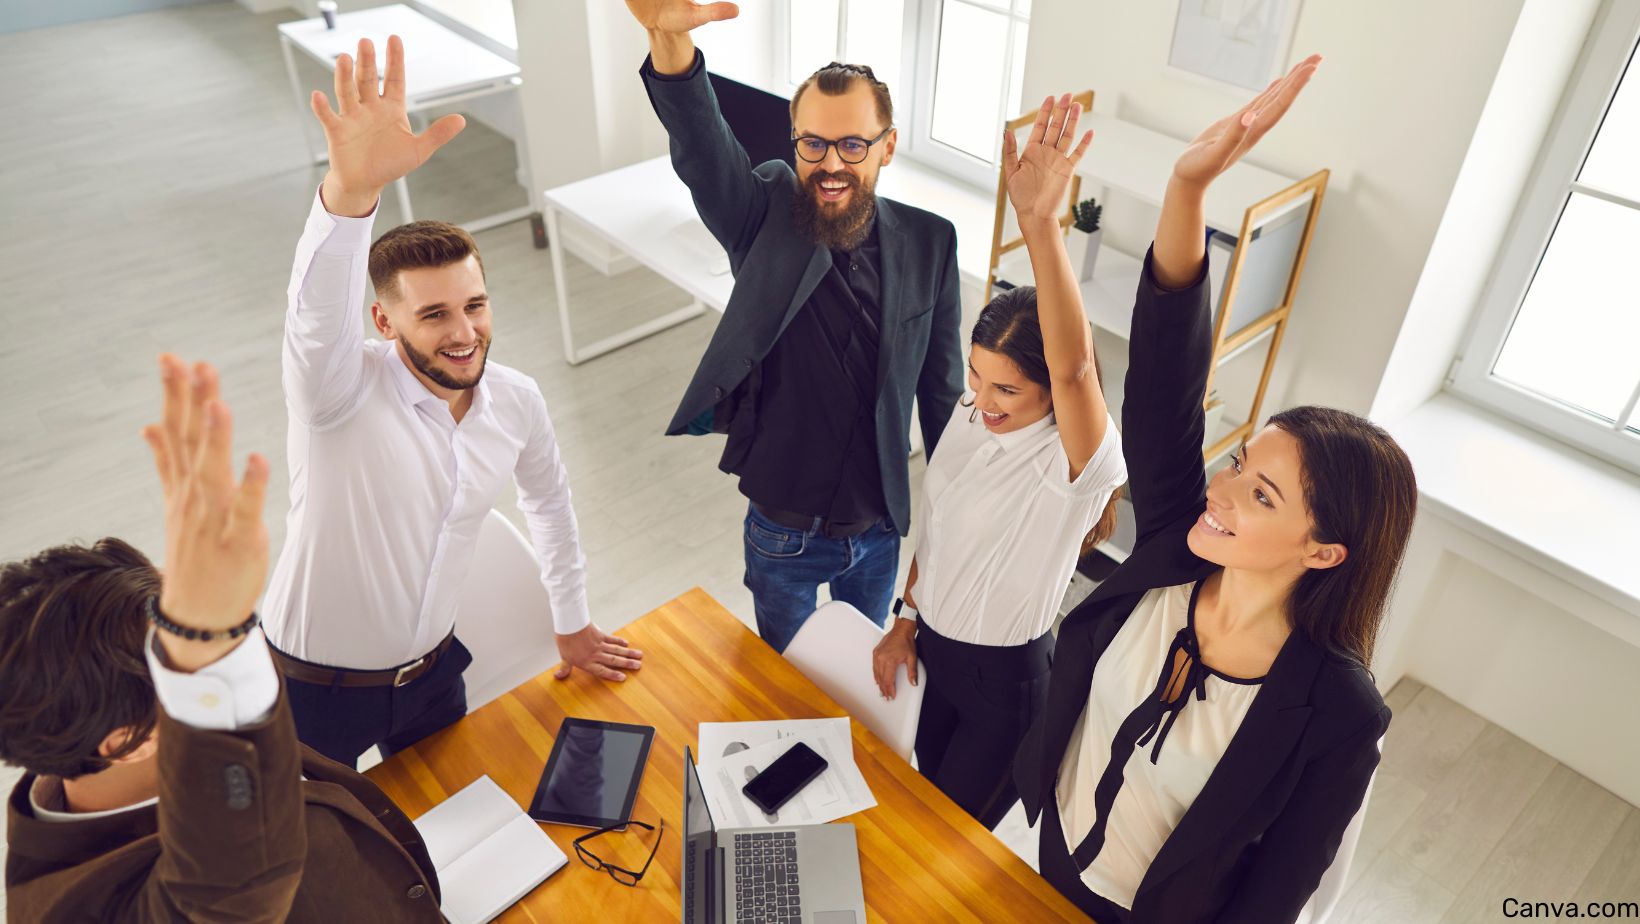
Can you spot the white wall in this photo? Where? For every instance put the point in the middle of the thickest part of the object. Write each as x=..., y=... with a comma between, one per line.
x=1391, y=113
x=1536, y=69
x=1521, y=648
x=584, y=105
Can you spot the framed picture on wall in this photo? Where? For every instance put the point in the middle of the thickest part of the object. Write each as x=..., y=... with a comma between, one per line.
x=1243, y=43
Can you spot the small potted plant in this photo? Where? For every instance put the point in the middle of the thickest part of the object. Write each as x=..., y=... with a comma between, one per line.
x=1082, y=241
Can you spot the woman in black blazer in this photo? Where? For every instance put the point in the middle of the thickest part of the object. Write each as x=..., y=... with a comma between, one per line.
x=1216, y=784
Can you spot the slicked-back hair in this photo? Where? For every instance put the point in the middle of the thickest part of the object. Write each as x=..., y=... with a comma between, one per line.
x=1009, y=325
x=418, y=245
x=836, y=78
x=73, y=621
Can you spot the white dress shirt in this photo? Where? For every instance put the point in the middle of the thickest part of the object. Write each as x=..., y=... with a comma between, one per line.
x=387, y=490
x=237, y=690
x=1154, y=795
x=1001, y=527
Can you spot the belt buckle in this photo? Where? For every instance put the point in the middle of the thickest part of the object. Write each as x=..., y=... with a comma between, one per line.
x=398, y=679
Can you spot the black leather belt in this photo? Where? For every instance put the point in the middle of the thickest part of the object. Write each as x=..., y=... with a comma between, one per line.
x=831, y=529
x=308, y=672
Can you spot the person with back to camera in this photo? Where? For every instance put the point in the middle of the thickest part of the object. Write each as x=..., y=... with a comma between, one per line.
x=1211, y=725
x=163, y=779
x=1022, y=484
x=845, y=306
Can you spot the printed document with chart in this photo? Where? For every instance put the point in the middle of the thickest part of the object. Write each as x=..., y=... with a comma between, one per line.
x=731, y=753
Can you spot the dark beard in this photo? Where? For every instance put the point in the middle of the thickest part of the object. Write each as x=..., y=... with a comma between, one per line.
x=845, y=230
x=424, y=365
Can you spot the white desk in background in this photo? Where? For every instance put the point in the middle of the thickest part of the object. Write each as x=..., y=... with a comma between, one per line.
x=443, y=69
x=645, y=211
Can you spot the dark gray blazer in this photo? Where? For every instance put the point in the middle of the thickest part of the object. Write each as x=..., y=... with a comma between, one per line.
x=1255, y=843
x=749, y=211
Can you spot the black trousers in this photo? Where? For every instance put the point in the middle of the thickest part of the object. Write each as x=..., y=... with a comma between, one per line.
x=978, y=701
x=344, y=722
x=1056, y=865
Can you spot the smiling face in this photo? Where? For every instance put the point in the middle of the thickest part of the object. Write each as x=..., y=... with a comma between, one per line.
x=440, y=317
x=836, y=198
x=1256, y=518
x=1005, y=398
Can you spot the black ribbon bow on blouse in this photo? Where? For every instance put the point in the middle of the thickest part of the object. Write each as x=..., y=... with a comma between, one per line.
x=1153, y=717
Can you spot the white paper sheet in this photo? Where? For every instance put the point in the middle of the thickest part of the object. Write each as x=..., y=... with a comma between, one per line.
x=734, y=752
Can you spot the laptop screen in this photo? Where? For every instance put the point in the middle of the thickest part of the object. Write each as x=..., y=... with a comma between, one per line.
x=699, y=837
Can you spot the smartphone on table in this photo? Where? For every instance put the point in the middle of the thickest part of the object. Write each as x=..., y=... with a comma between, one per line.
x=784, y=778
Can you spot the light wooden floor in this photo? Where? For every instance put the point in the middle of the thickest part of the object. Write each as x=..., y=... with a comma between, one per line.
x=153, y=189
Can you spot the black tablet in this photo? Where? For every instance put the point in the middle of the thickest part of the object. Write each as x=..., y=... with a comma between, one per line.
x=592, y=776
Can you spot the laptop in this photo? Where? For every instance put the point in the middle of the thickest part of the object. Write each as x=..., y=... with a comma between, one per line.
x=804, y=874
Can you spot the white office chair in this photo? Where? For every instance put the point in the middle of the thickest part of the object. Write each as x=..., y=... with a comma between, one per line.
x=505, y=615
x=1331, y=887
x=833, y=649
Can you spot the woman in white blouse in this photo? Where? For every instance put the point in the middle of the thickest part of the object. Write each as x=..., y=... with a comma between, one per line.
x=1211, y=724
x=1022, y=482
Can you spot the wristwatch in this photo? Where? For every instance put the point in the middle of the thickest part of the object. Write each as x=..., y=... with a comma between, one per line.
x=904, y=610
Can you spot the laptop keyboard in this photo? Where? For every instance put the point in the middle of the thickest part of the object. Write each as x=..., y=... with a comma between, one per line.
x=766, y=884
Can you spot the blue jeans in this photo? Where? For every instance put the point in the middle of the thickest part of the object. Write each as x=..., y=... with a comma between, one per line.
x=785, y=568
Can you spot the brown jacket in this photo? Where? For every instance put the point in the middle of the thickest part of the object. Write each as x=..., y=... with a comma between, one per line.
x=250, y=826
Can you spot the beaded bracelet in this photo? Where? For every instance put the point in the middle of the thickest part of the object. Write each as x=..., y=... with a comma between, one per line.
x=160, y=620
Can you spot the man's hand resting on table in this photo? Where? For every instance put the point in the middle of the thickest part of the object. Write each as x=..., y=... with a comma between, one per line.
x=598, y=653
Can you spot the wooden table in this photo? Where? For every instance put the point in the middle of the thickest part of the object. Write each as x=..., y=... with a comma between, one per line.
x=922, y=858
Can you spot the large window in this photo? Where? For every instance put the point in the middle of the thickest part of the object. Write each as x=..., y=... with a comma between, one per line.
x=1557, y=341
x=956, y=68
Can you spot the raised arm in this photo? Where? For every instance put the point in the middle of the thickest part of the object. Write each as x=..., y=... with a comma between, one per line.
x=708, y=158
x=1037, y=178
x=1170, y=346
x=370, y=145
x=231, y=850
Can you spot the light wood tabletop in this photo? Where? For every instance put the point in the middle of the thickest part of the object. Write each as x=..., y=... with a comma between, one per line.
x=921, y=857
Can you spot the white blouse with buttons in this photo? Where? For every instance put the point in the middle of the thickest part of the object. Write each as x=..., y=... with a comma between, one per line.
x=1001, y=527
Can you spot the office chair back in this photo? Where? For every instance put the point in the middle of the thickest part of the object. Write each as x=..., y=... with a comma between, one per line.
x=505, y=616
x=1324, y=900
x=833, y=649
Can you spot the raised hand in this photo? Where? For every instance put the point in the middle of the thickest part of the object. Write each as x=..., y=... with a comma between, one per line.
x=1225, y=141
x=678, y=15
x=1038, y=176
x=216, y=544
x=368, y=134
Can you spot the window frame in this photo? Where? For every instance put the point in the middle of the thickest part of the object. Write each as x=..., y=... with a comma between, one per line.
x=920, y=142
x=1611, y=53
x=919, y=59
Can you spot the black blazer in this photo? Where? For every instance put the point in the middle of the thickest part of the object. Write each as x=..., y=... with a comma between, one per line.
x=749, y=212
x=1255, y=843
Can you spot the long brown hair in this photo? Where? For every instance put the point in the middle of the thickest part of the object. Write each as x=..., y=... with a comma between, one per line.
x=1009, y=325
x=1362, y=494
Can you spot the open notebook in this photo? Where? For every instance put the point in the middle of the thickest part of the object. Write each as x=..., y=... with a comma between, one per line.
x=488, y=853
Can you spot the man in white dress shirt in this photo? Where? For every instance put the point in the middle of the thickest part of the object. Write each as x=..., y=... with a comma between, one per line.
x=397, y=449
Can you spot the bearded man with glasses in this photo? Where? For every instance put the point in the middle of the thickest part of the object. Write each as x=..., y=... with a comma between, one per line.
x=845, y=307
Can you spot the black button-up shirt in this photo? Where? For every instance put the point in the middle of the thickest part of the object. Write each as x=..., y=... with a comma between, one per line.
x=804, y=435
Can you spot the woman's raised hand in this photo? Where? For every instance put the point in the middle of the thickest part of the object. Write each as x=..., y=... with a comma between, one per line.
x=1225, y=141
x=1038, y=176
x=678, y=15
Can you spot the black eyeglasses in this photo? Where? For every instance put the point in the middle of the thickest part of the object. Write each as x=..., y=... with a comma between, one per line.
x=620, y=874
x=812, y=148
